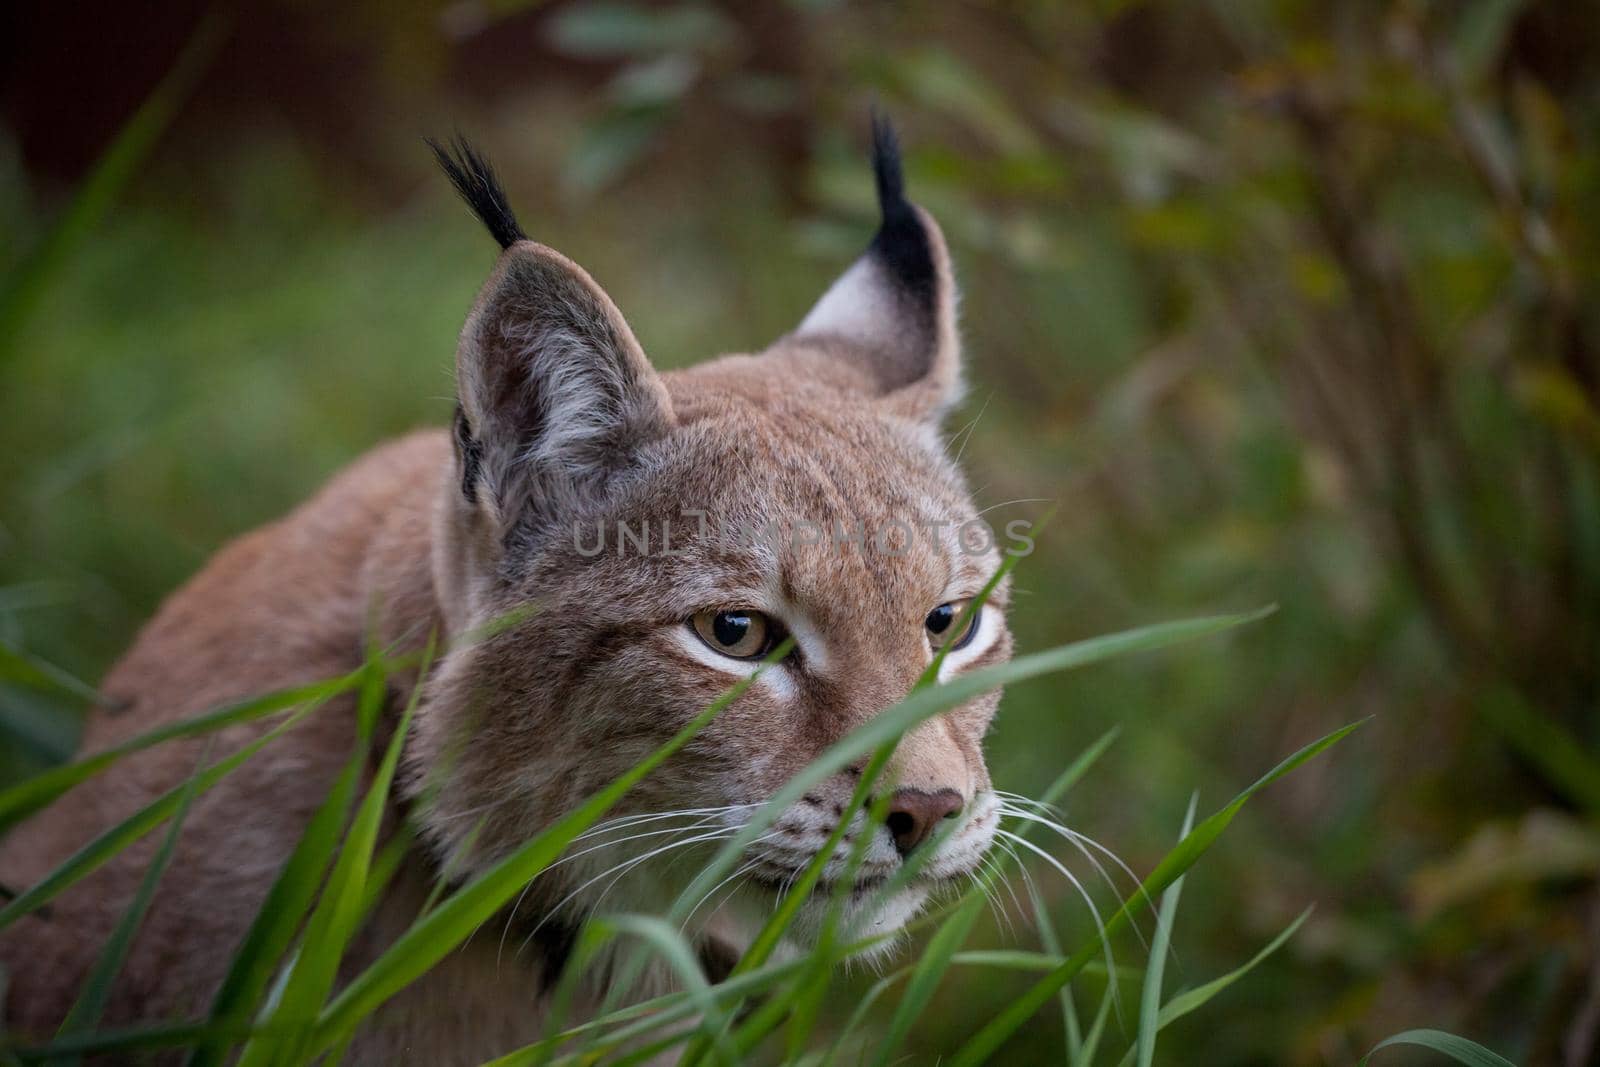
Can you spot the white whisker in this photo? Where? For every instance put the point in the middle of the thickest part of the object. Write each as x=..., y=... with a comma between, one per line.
x=1001, y=918
x=1078, y=841
x=1008, y=503
x=1099, y=923
x=619, y=870
x=1037, y=805
x=751, y=865
x=1000, y=874
x=636, y=820
x=569, y=856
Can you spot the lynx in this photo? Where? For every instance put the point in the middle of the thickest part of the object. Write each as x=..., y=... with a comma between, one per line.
x=562, y=428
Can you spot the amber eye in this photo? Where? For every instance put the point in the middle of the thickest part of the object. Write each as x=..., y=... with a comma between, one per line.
x=941, y=623
x=739, y=633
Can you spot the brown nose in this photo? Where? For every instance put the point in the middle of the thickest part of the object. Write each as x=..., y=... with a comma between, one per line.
x=914, y=815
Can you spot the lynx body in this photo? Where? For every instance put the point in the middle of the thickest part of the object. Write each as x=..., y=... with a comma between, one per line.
x=563, y=429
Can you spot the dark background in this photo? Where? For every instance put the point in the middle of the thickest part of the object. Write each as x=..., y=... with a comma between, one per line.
x=1282, y=302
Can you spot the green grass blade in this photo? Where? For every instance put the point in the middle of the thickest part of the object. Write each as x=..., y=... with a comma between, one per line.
x=676, y=951
x=339, y=910
x=1007, y=959
x=1047, y=931
x=1070, y=1032
x=987, y=1040
x=385, y=865
x=103, y=848
x=1193, y=999
x=1457, y=1048
x=650, y=1015
x=428, y=940
x=808, y=1000
x=96, y=993
x=126, y=1041
x=1097, y=1029
x=451, y=867
x=1150, y=996
x=275, y=924
x=292, y=893
x=808, y=992
x=859, y=1014
x=25, y=798
x=926, y=976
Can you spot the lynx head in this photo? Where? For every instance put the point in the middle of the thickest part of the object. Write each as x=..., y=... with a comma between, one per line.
x=655, y=535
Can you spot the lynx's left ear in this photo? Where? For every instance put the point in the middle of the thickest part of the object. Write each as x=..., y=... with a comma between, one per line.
x=893, y=313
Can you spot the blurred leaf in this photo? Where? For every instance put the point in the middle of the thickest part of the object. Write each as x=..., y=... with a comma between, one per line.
x=19, y=668
x=25, y=596
x=1480, y=34
x=22, y=290
x=763, y=94
x=656, y=83
x=1145, y=152
x=940, y=80
x=1564, y=763
x=603, y=30
x=45, y=727
x=1542, y=845
x=1178, y=224
x=610, y=145
x=1551, y=393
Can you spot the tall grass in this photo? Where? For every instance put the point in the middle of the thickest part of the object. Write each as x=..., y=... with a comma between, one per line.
x=282, y=1004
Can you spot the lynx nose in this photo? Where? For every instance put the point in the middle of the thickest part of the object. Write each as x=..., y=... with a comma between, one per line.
x=914, y=815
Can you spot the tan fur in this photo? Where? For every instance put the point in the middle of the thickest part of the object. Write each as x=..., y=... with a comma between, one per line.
x=573, y=427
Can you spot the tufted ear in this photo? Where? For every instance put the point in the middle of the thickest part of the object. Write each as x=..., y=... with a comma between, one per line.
x=554, y=393
x=893, y=312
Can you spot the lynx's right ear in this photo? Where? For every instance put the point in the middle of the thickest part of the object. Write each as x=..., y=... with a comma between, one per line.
x=554, y=393
x=894, y=310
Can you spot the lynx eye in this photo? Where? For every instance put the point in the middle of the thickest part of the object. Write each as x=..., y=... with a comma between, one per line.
x=941, y=622
x=739, y=633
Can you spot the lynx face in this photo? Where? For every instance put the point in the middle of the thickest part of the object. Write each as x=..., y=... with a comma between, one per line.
x=654, y=536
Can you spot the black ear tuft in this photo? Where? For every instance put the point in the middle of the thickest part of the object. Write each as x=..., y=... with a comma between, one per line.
x=886, y=166
x=892, y=314
x=901, y=244
x=475, y=180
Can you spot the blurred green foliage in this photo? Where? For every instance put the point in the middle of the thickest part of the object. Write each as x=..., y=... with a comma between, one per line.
x=1280, y=301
